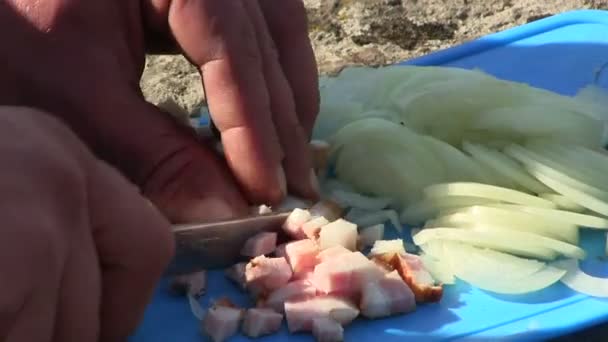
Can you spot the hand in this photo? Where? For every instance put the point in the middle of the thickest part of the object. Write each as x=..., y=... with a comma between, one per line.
x=81, y=250
x=82, y=61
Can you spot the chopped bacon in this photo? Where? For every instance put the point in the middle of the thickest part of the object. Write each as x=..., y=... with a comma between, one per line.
x=193, y=284
x=301, y=255
x=412, y=271
x=326, y=329
x=266, y=274
x=339, y=232
x=331, y=253
x=300, y=289
x=313, y=227
x=260, y=244
x=345, y=274
x=387, y=296
x=221, y=322
x=259, y=322
x=294, y=222
x=301, y=313
x=236, y=273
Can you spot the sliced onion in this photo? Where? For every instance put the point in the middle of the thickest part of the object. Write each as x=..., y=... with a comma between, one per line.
x=366, y=218
x=440, y=271
x=563, y=202
x=501, y=241
x=584, y=220
x=490, y=217
x=486, y=191
x=429, y=207
x=580, y=281
x=506, y=166
x=589, y=201
x=490, y=276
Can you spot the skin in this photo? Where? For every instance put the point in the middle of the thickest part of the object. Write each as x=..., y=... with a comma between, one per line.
x=70, y=219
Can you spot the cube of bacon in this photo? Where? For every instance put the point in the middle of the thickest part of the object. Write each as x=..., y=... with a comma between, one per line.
x=266, y=274
x=301, y=254
x=193, y=284
x=331, y=253
x=412, y=271
x=259, y=322
x=313, y=227
x=301, y=313
x=300, y=289
x=294, y=222
x=326, y=329
x=221, y=322
x=339, y=233
x=387, y=296
x=236, y=273
x=345, y=274
x=260, y=244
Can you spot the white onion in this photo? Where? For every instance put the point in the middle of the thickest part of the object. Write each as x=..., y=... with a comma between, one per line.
x=195, y=308
x=352, y=199
x=580, y=281
x=584, y=220
x=563, y=202
x=429, y=207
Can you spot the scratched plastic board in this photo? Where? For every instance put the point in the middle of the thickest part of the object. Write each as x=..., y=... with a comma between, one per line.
x=559, y=53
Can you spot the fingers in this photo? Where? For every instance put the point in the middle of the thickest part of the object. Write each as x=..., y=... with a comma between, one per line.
x=50, y=278
x=134, y=244
x=287, y=22
x=232, y=70
x=301, y=178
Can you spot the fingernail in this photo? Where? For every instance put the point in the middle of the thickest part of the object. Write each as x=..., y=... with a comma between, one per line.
x=314, y=182
x=282, y=180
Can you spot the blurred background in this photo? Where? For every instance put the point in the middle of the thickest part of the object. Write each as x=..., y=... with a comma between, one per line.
x=369, y=32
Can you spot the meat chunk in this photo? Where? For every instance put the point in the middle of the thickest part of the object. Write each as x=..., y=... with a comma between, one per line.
x=236, y=273
x=325, y=329
x=294, y=222
x=387, y=296
x=301, y=313
x=221, y=322
x=339, y=233
x=193, y=284
x=345, y=274
x=302, y=255
x=313, y=227
x=296, y=290
x=331, y=252
x=412, y=271
x=388, y=246
x=259, y=322
x=260, y=244
x=266, y=274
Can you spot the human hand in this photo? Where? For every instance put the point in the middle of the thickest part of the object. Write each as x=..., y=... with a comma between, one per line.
x=82, y=61
x=81, y=250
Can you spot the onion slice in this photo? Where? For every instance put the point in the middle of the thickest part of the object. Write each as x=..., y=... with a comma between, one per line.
x=486, y=191
x=353, y=199
x=563, y=202
x=580, y=281
x=196, y=308
x=584, y=220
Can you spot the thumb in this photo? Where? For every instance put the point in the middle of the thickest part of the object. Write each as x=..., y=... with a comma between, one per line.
x=183, y=177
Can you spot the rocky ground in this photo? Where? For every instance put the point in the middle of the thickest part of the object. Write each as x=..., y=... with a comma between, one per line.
x=372, y=32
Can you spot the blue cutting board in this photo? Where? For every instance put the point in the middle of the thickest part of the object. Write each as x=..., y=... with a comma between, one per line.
x=560, y=53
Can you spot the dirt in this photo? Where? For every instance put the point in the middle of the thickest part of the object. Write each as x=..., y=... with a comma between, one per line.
x=372, y=32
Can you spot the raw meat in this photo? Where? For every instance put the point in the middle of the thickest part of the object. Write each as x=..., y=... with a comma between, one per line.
x=302, y=255
x=339, y=233
x=387, y=246
x=294, y=222
x=387, y=296
x=260, y=244
x=193, y=284
x=412, y=271
x=345, y=274
x=296, y=290
x=331, y=252
x=236, y=273
x=313, y=227
x=326, y=329
x=221, y=322
x=266, y=274
x=300, y=313
x=259, y=322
